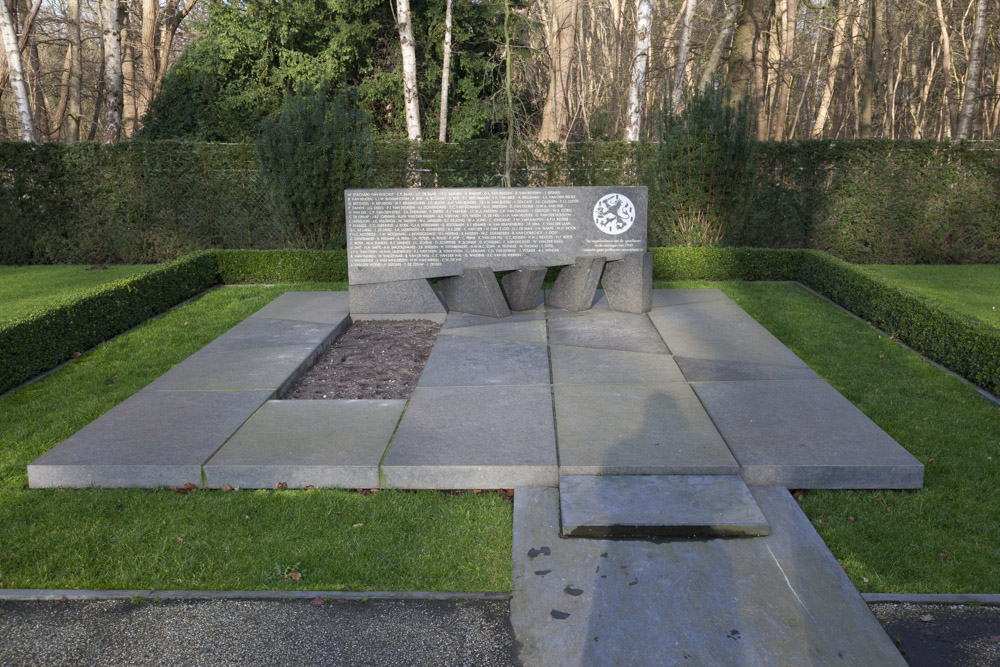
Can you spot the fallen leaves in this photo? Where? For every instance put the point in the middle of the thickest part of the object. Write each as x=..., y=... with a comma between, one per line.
x=318, y=601
x=294, y=576
x=280, y=486
x=227, y=488
x=187, y=488
x=926, y=618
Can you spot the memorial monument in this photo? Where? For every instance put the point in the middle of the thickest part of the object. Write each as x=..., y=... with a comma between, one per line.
x=398, y=239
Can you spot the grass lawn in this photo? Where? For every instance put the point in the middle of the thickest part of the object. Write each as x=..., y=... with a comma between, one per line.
x=132, y=538
x=27, y=288
x=971, y=289
x=942, y=539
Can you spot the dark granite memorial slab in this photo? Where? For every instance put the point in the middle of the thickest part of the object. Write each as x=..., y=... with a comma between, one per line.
x=576, y=285
x=628, y=283
x=522, y=287
x=401, y=296
x=475, y=292
x=402, y=234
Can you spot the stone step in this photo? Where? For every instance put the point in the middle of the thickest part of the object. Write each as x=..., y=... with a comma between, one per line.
x=658, y=506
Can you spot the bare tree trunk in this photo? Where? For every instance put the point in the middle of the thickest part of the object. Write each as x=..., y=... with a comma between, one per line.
x=410, y=93
x=805, y=89
x=22, y=41
x=170, y=20
x=786, y=71
x=113, y=99
x=974, y=73
x=721, y=41
x=844, y=8
x=445, y=75
x=925, y=92
x=55, y=123
x=949, y=72
x=39, y=102
x=876, y=24
x=16, y=72
x=746, y=74
x=562, y=49
x=147, y=48
x=683, y=49
x=74, y=111
x=640, y=65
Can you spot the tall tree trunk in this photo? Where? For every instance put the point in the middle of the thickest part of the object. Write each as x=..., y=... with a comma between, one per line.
x=786, y=70
x=683, y=49
x=408, y=46
x=746, y=76
x=170, y=20
x=22, y=41
x=640, y=65
x=55, y=123
x=113, y=97
x=147, y=48
x=74, y=107
x=562, y=50
x=876, y=24
x=949, y=71
x=445, y=75
x=16, y=73
x=39, y=101
x=721, y=41
x=974, y=73
x=844, y=8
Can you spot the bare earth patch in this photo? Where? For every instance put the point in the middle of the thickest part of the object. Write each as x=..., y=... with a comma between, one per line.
x=373, y=359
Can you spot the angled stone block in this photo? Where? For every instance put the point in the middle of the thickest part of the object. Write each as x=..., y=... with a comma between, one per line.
x=522, y=287
x=628, y=283
x=658, y=506
x=475, y=291
x=576, y=285
x=322, y=307
x=400, y=296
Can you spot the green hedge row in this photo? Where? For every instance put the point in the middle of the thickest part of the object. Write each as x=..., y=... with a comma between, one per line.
x=35, y=343
x=876, y=201
x=964, y=344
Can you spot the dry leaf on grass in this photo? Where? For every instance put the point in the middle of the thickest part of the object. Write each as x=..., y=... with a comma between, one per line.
x=187, y=488
x=294, y=576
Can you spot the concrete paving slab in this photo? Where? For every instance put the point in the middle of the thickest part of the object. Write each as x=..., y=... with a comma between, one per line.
x=658, y=506
x=711, y=370
x=804, y=434
x=473, y=438
x=462, y=361
x=261, y=332
x=237, y=370
x=776, y=600
x=637, y=429
x=464, y=320
x=582, y=365
x=607, y=330
x=528, y=331
x=154, y=438
x=321, y=307
x=719, y=330
x=679, y=297
x=433, y=317
x=302, y=443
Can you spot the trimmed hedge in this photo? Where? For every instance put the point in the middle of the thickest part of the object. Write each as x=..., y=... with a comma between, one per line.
x=966, y=345
x=35, y=343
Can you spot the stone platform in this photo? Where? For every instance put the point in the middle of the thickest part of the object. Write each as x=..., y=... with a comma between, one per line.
x=696, y=387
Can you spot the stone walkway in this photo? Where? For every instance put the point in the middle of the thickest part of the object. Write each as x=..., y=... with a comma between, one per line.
x=684, y=427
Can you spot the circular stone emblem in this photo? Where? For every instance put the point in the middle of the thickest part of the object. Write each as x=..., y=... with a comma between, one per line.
x=614, y=213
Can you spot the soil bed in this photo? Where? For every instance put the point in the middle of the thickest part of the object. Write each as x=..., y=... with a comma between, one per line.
x=380, y=359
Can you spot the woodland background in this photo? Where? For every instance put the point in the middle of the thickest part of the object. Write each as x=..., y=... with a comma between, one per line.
x=549, y=70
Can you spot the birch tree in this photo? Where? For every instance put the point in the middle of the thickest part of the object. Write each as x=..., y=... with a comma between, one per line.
x=445, y=74
x=113, y=93
x=74, y=111
x=640, y=65
x=15, y=68
x=408, y=46
x=974, y=73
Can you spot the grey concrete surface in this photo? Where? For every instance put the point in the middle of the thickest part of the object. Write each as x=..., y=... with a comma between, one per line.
x=628, y=283
x=804, y=434
x=707, y=370
x=302, y=443
x=473, y=437
x=637, y=429
x=576, y=285
x=607, y=330
x=264, y=332
x=719, y=330
x=236, y=370
x=322, y=307
x=523, y=287
x=465, y=320
x=242, y=632
x=402, y=296
x=526, y=331
x=776, y=600
x=476, y=291
x=462, y=361
x=680, y=297
x=658, y=506
x=582, y=365
x=152, y=438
